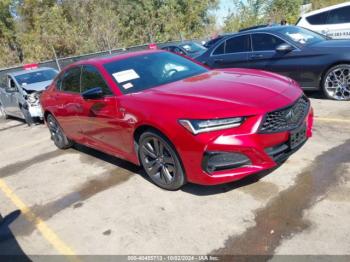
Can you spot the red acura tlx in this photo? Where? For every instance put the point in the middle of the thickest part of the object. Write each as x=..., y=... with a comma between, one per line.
x=180, y=120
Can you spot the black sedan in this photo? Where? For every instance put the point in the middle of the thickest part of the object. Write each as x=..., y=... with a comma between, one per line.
x=188, y=48
x=313, y=60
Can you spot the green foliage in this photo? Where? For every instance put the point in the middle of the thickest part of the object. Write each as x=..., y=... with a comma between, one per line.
x=317, y=4
x=247, y=13
x=282, y=9
x=30, y=29
x=9, y=47
x=254, y=12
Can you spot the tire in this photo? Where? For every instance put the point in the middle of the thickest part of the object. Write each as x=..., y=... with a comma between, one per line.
x=3, y=115
x=27, y=117
x=160, y=161
x=57, y=134
x=336, y=83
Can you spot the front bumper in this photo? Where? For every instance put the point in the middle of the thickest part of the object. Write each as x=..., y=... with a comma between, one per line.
x=243, y=140
x=35, y=111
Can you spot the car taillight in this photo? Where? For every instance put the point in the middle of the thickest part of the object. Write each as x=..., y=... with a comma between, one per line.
x=152, y=46
x=30, y=66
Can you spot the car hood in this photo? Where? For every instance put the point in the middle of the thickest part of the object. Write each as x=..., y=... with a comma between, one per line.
x=36, y=87
x=333, y=44
x=224, y=93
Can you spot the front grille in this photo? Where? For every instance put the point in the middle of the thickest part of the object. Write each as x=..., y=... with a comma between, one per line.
x=281, y=152
x=287, y=118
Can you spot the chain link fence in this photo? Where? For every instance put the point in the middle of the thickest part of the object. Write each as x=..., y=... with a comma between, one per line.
x=60, y=63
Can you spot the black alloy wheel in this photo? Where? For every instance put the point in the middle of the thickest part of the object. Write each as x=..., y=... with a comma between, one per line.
x=57, y=134
x=160, y=161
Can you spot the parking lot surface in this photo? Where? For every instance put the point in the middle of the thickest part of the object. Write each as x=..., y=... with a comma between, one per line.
x=81, y=201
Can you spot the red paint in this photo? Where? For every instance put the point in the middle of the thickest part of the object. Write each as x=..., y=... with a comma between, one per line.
x=109, y=124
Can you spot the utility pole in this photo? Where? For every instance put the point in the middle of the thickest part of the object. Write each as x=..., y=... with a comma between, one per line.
x=56, y=59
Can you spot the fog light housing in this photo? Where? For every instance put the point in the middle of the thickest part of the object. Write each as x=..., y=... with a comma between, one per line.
x=219, y=161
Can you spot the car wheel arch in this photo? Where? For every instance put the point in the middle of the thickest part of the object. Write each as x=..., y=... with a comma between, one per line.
x=323, y=74
x=147, y=127
x=144, y=128
x=46, y=114
x=326, y=73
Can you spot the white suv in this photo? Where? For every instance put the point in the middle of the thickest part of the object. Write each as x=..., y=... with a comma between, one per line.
x=333, y=21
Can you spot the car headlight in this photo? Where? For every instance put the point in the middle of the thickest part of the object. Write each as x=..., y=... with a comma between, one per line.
x=200, y=126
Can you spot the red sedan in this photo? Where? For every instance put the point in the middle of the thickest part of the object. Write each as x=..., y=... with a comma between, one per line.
x=181, y=121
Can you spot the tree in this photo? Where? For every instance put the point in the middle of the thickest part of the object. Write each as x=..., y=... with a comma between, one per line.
x=317, y=4
x=247, y=13
x=281, y=9
x=10, y=47
x=34, y=27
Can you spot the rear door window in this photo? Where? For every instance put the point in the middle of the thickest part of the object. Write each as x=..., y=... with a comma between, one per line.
x=71, y=80
x=220, y=49
x=318, y=19
x=339, y=16
x=238, y=44
x=265, y=42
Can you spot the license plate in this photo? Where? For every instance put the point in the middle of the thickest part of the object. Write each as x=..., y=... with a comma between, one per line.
x=297, y=136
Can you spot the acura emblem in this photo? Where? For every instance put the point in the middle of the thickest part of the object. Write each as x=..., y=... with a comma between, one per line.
x=291, y=116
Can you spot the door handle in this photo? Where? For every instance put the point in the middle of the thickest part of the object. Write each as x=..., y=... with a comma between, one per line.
x=219, y=61
x=122, y=112
x=256, y=56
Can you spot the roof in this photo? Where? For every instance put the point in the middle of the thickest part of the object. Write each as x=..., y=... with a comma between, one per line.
x=328, y=8
x=258, y=29
x=114, y=57
x=273, y=28
x=22, y=72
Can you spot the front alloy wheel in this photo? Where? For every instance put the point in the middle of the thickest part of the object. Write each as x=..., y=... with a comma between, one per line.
x=336, y=83
x=57, y=135
x=160, y=161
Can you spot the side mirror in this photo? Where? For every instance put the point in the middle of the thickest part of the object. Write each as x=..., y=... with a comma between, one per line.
x=284, y=48
x=93, y=93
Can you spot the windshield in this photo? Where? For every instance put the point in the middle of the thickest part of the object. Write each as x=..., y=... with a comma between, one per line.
x=193, y=47
x=150, y=70
x=35, y=77
x=302, y=36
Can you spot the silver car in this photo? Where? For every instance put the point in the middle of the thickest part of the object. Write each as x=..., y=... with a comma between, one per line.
x=20, y=91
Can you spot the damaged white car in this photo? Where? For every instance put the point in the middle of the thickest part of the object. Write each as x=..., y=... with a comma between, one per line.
x=20, y=92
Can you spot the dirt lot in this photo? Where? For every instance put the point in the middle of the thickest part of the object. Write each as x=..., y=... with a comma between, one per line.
x=81, y=201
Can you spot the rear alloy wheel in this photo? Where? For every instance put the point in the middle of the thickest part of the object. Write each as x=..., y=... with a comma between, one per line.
x=57, y=135
x=336, y=83
x=3, y=114
x=160, y=161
